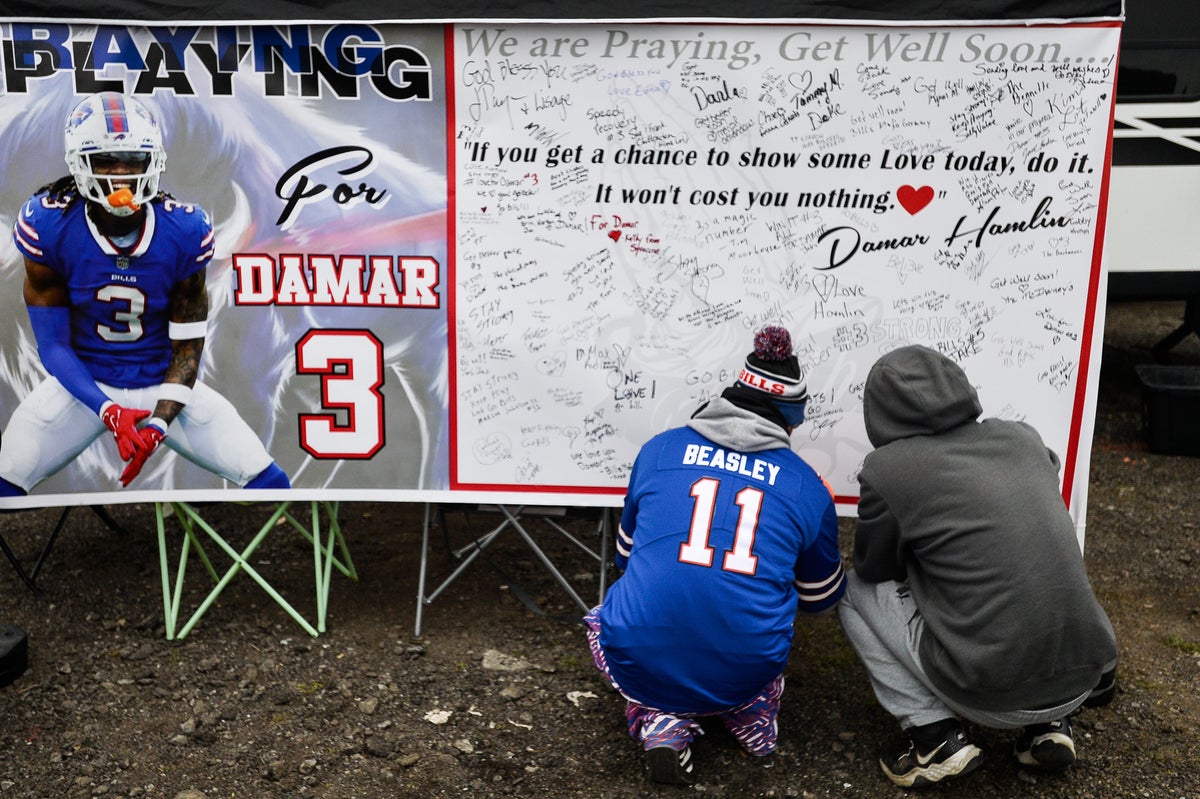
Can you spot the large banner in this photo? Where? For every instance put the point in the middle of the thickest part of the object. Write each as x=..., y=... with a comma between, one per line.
x=488, y=260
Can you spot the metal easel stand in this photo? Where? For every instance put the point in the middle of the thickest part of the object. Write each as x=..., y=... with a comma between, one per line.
x=192, y=524
x=512, y=519
x=30, y=577
x=1190, y=325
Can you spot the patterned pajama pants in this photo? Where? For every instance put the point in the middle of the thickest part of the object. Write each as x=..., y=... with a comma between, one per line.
x=754, y=724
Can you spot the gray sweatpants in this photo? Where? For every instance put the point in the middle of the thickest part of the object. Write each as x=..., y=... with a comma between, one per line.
x=884, y=626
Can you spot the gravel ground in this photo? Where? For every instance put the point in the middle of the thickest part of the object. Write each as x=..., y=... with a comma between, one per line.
x=498, y=698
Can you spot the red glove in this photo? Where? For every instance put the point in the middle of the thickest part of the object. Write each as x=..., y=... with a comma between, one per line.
x=149, y=437
x=123, y=424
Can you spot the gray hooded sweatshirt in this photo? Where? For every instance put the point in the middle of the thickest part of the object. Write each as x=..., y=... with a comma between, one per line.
x=969, y=513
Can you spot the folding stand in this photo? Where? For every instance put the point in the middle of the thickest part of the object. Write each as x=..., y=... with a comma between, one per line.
x=1189, y=325
x=30, y=577
x=513, y=518
x=324, y=559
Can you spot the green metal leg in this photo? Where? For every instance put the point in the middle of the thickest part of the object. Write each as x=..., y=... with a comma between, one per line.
x=324, y=559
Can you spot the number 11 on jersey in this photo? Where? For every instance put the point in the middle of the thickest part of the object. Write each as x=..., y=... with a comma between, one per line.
x=696, y=550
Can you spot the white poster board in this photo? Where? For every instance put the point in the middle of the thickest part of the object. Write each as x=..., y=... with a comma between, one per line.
x=633, y=202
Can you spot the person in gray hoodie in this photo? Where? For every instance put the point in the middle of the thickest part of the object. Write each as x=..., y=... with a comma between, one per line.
x=968, y=598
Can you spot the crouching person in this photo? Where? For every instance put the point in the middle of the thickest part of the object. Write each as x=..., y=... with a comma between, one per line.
x=968, y=598
x=724, y=532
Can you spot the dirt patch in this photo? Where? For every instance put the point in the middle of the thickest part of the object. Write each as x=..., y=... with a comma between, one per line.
x=498, y=697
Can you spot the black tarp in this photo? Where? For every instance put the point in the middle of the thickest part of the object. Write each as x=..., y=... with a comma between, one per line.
x=227, y=10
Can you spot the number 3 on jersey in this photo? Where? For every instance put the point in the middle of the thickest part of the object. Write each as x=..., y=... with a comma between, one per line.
x=696, y=550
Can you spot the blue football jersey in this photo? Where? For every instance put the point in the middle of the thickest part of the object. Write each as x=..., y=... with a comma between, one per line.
x=120, y=297
x=725, y=545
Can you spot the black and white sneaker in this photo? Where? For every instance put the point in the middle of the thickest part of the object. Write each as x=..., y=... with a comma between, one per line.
x=910, y=764
x=669, y=766
x=1046, y=746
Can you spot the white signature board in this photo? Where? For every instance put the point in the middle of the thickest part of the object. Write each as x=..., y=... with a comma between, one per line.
x=633, y=202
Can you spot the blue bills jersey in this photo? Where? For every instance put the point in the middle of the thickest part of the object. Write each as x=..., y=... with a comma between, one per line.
x=120, y=297
x=719, y=549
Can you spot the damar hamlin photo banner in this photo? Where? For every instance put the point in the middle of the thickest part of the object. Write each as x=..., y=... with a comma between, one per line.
x=489, y=259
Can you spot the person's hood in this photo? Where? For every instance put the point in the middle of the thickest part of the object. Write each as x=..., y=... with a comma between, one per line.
x=915, y=391
x=730, y=425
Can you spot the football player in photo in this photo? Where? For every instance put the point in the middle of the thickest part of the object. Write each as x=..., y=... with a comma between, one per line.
x=115, y=288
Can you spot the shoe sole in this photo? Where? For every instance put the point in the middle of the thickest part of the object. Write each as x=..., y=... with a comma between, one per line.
x=961, y=763
x=1050, y=752
x=665, y=765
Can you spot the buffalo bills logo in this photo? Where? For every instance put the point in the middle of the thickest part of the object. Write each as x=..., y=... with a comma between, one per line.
x=80, y=115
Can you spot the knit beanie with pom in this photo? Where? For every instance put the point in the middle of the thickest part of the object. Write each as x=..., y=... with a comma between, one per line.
x=774, y=370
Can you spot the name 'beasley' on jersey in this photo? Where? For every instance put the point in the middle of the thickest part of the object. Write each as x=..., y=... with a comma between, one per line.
x=736, y=462
x=120, y=288
x=115, y=287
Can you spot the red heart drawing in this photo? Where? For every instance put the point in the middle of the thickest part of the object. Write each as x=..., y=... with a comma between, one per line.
x=913, y=200
x=614, y=234
x=484, y=209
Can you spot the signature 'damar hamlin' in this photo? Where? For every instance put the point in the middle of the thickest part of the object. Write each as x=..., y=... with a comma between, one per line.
x=299, y=185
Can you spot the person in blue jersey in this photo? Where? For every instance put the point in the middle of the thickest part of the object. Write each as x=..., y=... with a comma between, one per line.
x=116, y=294
x=968, y=597
x=724, y=534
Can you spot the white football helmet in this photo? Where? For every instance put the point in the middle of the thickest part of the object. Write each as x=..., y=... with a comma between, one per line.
x=109, y=127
